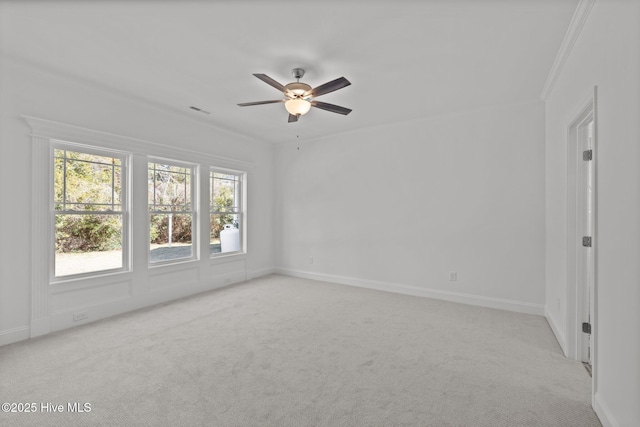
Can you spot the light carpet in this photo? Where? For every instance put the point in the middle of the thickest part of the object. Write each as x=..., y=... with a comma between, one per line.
x=283, y=351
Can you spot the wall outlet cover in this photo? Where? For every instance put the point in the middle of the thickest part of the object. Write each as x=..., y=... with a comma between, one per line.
x=81, y=315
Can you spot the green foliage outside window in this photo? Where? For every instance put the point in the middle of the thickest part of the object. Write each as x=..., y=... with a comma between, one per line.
x=180, y=228
x=223, y=198
x=169, y=188
x=87, y=183
x=224, y=202
x=88, y=233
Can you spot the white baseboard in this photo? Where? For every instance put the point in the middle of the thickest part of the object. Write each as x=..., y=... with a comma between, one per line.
x=556, y=331
x=63, y=319
x=14, y=335
x=58, y=321
x=261, y=272
x=502, y=304
x=160, y=295
x=603, y=412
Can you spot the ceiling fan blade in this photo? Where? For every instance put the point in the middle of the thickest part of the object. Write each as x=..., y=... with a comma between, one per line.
x=293, y=118
x=247, y=104
x=268, y=80
x=331, y=86
x=331, y=107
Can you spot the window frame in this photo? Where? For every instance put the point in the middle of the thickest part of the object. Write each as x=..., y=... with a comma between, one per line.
x=125, y=182
x=194, y=204
x=241, y=209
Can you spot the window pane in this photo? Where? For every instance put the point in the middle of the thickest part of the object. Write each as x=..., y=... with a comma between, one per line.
x=75, y=155
x=169, y=193
x=224, y=192
x=91, y=186
x=86, y=182
x=58, y=177
x=225, y=217
x=169, y=188
x=224, y=233
x=92, y=158
x=87, y=243
x=170, y=237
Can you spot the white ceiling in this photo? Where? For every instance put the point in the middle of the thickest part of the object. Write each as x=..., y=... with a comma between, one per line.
x=404, y=58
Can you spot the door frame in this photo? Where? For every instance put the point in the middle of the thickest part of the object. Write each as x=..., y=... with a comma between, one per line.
x=584, y=255
x=575, y=293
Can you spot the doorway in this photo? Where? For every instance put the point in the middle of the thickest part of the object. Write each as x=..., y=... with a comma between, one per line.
x=585, y=194
x=581, y=303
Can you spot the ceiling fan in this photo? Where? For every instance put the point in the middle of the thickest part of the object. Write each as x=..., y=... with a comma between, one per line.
x=300, y=97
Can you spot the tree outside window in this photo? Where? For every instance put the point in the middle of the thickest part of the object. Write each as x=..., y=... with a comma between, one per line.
x=171, y=214
x=225, y=212
x=88, y=208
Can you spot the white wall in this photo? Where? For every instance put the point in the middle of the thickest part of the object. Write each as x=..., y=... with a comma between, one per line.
x=606, y=54
x=398, y=207
x=26, y=90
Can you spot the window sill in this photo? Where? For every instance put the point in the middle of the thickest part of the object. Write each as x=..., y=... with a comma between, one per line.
x=177, y=263
x=83, y=282
x=221, y=259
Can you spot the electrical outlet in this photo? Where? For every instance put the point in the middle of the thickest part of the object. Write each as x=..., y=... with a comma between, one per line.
x=310, y=260
x=81, y=315
x=453, y=276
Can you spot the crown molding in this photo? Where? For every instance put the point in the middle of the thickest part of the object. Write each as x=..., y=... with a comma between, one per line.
x=49, y=129
x=18, y=60
x=573, y=32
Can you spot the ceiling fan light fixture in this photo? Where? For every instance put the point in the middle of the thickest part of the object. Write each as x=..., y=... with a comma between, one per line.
x=297, y=106
x=300, y=97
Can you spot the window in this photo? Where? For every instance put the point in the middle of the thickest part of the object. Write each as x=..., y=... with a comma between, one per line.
x=226, y=228
x=171, y=212
x=89, y=206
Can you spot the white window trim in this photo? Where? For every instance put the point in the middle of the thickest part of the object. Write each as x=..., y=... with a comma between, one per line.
x=48, y=129
x=195, y=203
x=42, y=132
x=242, y=212
x=125, y=159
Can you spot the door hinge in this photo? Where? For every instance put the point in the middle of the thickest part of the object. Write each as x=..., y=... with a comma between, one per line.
x=586, y=241
x=587, y=155
x=586, y=328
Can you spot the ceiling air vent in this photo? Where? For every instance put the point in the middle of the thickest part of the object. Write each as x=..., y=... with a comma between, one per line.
x=200, y=110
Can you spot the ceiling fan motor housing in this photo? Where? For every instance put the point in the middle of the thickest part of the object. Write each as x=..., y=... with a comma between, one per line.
x=300, y=97
x=298, y=89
